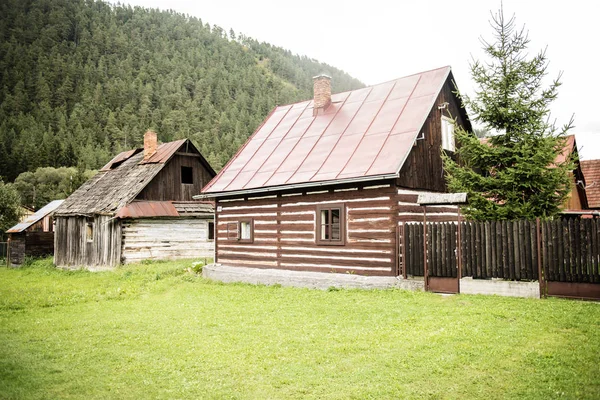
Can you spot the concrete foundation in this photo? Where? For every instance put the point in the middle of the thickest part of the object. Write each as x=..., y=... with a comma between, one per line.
x=313, y=280
x=500, y=287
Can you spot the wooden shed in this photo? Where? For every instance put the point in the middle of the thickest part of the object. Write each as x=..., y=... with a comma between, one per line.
x=327, y=184
x=139, y=206
x=34, y=235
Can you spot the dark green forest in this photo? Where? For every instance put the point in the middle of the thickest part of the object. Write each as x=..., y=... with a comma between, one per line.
x=81, y=80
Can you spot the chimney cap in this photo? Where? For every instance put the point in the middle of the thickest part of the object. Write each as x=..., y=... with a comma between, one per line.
x=321, y=76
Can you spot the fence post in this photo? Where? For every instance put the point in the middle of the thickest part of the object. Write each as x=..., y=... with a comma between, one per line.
x=425, y=272
x=8, y=252
x=404, y=274
x=539, y=259
x=459, y=251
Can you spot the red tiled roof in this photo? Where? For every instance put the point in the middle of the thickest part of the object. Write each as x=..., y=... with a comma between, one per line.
x=363, y=133
x=591, y=174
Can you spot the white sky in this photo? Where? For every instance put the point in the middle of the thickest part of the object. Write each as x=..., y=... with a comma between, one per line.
x=379, y=40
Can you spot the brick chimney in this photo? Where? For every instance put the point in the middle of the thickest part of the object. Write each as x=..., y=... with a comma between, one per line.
x=150, y=144
x=322, y=90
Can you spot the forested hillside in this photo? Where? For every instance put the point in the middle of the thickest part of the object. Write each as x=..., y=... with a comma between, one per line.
x=80, y=80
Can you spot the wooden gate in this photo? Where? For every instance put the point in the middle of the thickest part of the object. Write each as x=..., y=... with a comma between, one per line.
x=431, y=251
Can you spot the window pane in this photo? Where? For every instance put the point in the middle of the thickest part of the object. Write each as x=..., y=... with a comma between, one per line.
x=324, y=232
x=245, y=230
x=324, y=216
x=335, y=215
x=335, y=232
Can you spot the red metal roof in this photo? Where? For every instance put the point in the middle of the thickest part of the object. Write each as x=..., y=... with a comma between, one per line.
x=591, y=174
x=140, y=209
x=365, y=132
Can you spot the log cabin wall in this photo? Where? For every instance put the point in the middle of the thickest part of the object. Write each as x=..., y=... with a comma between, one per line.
x=162, y=238
x=167, y=184
x=284, y=230
x=72, y=247
x=424, y=168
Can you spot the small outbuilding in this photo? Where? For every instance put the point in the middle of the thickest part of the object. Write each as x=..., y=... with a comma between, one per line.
x=139, y=206
x=34, y=235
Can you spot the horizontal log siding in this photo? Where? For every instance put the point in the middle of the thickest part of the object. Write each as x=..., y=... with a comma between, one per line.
x=284, y=231
x=159, y=239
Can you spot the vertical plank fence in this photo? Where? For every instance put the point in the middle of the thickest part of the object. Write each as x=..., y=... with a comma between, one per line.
x=567, y=251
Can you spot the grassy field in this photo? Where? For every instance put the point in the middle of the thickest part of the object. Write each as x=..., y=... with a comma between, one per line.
x=158, y=331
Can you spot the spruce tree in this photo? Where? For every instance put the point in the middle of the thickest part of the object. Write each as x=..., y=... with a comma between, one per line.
x=514, y=173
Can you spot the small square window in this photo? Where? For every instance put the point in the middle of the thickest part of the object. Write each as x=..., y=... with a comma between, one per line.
x=448, y=134
x=187, y=175
x=330, y=225
x=211, y=231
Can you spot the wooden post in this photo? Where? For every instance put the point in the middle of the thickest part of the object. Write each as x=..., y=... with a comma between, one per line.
x=425, y=272
x=404, y=273
x=8, y=252
x=459, y=252
x=539, y=259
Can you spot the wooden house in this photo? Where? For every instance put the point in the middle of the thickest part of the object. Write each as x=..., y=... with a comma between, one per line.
x=33, y=236
x=327, y=184
x=139, y=206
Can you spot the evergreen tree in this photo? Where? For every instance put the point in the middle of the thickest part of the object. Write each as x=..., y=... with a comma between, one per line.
x=514, y=174
x=82, y=79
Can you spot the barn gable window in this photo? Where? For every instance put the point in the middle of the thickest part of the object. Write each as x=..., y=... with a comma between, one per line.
x=331, y=221
x=187, y=175
x=89, y=229
x=448, y=134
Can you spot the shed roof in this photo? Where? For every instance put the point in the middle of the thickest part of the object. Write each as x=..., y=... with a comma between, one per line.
x=120, y=181
x=591, y=174
x=364, y=133
x=152, y=209
x=39, y=214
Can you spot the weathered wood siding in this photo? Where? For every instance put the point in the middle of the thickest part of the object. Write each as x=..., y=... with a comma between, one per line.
x=167, y=185
x=423, y=168
x=156, y=239
x=71, y=247
x=284, y=231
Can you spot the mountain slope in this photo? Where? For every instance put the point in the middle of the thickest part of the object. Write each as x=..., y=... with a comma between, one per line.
x=80, y=80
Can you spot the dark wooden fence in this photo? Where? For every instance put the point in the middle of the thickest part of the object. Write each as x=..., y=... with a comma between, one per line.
x=568, y=250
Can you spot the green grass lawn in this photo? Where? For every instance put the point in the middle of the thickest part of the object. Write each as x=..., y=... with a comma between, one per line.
x=159, y=331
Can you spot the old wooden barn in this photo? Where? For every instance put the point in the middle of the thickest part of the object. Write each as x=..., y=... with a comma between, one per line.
x=34, y=235
x=139, y=206
x=326, y=184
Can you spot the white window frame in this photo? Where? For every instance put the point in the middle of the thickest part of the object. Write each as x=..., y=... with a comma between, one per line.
x=448, y=137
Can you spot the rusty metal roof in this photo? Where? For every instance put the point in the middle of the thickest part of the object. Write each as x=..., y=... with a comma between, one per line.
x=151, y=209
x=147, y=209
x=119, y=158
x=39, y=214
x=364, y=133
x=164, y=152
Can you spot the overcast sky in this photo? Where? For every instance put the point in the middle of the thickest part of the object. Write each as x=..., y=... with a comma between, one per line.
x=379, y=40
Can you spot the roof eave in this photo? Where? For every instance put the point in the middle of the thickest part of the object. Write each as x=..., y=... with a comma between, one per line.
x=295, y=186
